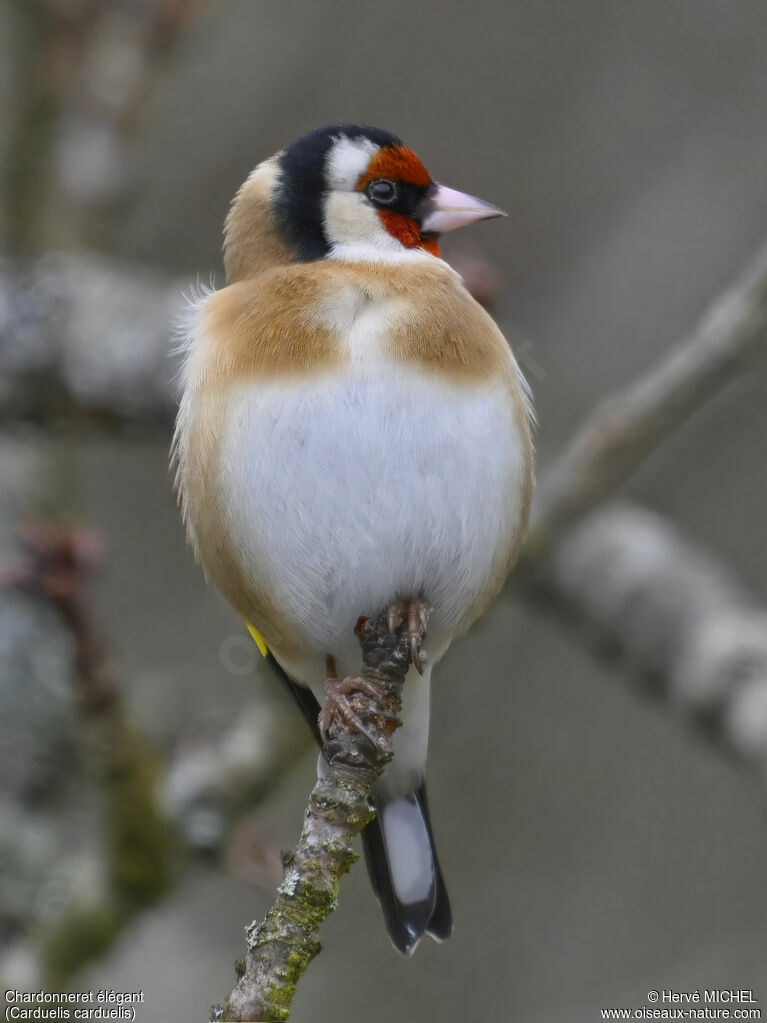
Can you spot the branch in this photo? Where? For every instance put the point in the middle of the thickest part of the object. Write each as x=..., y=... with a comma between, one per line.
x=86, y=337
x=282, y=946
x=638, y=589
x=83, y=73
x=629, y=425
x=55, y=661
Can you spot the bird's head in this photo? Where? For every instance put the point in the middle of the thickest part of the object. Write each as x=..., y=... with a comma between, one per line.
x=343, y=191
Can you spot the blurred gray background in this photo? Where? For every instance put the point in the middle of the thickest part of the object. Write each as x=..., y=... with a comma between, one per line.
x=594, y=848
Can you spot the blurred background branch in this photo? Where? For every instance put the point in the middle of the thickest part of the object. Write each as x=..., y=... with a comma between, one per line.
x=640, y=592
x=86, y=338
x=628, y=425
x=66, y=733
x=85, y=70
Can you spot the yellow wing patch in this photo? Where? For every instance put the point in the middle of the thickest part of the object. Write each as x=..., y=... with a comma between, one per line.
x=258, y=639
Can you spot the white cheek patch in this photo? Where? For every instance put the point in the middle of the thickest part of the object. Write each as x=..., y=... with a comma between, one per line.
x=351, y=220
x=354, y=232
x=346, y=160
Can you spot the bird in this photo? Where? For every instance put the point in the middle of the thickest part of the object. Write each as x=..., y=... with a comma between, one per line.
x=354, y=435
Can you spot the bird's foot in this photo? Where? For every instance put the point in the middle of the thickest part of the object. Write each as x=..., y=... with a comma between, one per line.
x=337, y=706
x=416, y=613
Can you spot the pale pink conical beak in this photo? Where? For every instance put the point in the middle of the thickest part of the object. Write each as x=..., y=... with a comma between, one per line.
x=447, y=209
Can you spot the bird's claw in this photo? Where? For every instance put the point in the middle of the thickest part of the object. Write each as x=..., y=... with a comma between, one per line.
x=337, y=705
x=416, y=613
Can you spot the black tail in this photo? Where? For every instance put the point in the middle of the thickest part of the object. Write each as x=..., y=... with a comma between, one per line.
x=427, y=912
x=406, y=921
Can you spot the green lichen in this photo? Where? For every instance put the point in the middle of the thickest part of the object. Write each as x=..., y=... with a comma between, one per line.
x=308, y=906
x=277, y=1004
x=279, y=996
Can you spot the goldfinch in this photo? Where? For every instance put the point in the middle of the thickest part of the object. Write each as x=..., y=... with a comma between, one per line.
x=354, y=434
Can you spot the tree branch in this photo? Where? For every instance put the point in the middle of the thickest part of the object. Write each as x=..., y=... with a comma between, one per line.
x=639, y=590
x=629, y=425
x=88, y=338
x=55, y=661
x=282, y=946
x=83, y=74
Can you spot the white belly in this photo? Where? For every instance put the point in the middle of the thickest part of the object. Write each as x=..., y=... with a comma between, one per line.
x=346, y=492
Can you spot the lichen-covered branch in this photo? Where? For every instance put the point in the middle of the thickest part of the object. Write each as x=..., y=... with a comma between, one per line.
x=629, y=425
x=281, y=947
x=637, y=588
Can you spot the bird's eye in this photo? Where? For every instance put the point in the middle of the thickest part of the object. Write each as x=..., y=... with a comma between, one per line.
x=382, y=191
